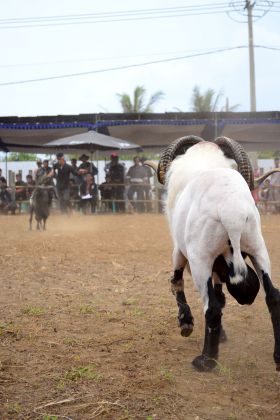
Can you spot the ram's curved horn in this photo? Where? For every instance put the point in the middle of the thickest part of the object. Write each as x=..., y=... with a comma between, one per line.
x=176, y=148
x=233, y=150
x=151, y=164
x=259, y=181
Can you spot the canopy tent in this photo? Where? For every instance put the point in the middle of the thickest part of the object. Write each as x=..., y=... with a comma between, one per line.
x=91, y=141
x=255, y=131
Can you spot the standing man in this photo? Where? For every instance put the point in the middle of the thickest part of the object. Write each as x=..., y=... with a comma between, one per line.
x=116, y=175
x=62, y=171
x=20, y=190
x=275, y=185
x=38, y=172
x=137, y=178
x=2, y=178
x=88, y=166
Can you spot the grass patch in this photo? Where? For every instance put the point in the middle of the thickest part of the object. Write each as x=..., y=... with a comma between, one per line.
x=166, y=374
x=87, y=372
x=33, y=310
x=8, y=329
x=87, y=309
x=12, y=408
x=71, y=342
x=129, y=302
x=137, y=312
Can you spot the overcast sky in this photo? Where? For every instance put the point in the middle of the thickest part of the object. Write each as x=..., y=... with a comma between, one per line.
x=50, y=49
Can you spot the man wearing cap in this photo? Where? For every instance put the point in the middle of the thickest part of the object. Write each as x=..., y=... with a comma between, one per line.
x=62, y=171
x=116, y=175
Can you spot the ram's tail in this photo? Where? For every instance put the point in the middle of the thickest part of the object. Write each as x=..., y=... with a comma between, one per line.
x=235, y=260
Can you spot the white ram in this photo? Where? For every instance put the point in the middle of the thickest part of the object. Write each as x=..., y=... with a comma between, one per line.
x=215, y=225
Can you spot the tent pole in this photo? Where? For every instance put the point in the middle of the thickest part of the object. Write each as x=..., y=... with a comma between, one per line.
x=97, y=165
x=6, y=165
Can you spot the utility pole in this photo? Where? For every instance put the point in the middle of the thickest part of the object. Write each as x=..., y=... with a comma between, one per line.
x=249, y=6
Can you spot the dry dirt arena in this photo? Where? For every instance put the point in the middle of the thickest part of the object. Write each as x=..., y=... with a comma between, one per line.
x=88, y=328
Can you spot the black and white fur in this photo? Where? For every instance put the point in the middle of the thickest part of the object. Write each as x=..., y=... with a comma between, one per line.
x=214, y=223
x=40, y=203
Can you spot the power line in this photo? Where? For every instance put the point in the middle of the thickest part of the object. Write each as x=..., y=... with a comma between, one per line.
x=119, y=16
x=63, y=76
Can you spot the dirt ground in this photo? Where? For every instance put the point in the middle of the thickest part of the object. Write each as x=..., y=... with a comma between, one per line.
x=88, y=328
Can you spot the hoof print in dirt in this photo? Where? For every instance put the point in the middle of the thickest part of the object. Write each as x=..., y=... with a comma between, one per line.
x=186, y=330
x=203, y=363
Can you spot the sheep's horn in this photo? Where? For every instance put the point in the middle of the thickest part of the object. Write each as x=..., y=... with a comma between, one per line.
x=233, y=150
x=176, y=148
x=259, y=181
x=151, y=164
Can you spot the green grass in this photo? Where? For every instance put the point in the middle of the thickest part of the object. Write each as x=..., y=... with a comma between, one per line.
x=76, y=374
x=87, y=309
x=166, y=374
x=33, y=310
x=12, y=408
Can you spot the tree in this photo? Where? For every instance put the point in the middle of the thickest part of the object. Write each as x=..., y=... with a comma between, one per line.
x=137, y=103
x=208, y=101
x=21, y=157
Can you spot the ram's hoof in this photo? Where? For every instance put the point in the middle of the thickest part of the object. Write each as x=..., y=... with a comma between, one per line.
x=278, y=367
x=203, y=363
x=186, y=330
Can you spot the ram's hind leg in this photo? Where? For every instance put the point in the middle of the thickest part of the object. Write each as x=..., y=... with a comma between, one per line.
x=185, y=318
x=202, y=276
x=272, y=298
x=220, y=296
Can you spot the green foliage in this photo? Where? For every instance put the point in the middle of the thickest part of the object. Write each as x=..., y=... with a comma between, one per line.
x=137, y=103
x=268, y=154
x=208, y=101
x=21, y=157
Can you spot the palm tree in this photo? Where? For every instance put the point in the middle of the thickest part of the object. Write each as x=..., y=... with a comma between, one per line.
x=137, y=104
x=208, y=101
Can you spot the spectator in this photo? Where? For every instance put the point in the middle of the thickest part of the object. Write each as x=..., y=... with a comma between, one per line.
x=7, y=204
x=30, y=183
x=2, y=178
x=116, y=174
x=106, y=191
x=38, y=172
x=87, y=166
x=265, y=193
x=137, y=177
x=89, y=194
x=74, y=194
x=275, y=185
x=46, y=168
x=61, y=171
x=20, y=191
x=77, y=179
x=147, y=189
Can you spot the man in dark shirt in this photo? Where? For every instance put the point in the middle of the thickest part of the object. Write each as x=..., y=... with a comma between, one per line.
x=6, y=202
x=116, y=174
x=2, y=178
x=88, y=166
x=20, y=190
x=62, y=171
